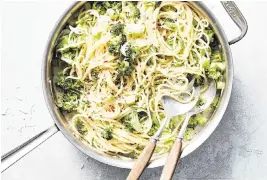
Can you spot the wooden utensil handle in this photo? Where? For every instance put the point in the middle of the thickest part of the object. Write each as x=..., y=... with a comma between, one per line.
x=172, y=160
x=142, y=161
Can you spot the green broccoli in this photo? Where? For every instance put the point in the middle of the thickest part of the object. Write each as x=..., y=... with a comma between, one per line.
x=67, y=84
x=199, y=80
x=195, y=120
x=117, y=29
x=188, y=135
x=215, y=101
x=151, y=4
x=107, y=133
x=99, y=7
x=153, y=130
x=68, y=101
x=206, y=64
x=63, y=40
x=213, y=73
x=86, y=19
x=201, y=101
x=130, y=52
x=115, y=5
x=125, y=69
x=134, y=11
x=216, y=56
x=210, y=34
x=108, y=4
x=80, y=127
x=192, y=122
x=200, y=119
x=116, y=43
x=175, y=121
x=215, y=69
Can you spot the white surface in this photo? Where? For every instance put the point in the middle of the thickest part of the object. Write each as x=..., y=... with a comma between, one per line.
x=237, y=150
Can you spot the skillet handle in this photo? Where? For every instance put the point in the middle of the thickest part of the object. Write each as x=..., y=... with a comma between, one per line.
x=237, y=17
x=16, y=154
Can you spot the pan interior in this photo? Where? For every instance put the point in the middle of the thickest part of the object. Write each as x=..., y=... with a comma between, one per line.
x=65, y=128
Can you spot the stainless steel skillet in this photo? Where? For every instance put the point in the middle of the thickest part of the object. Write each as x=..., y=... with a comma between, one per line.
x=61, y=124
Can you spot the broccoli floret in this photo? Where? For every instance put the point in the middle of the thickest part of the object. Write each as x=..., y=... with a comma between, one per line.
x=188, y=135
x=152, y=4
x=195, y=120
x=68, y=101
x=199, y=80
x=107, y=133
x=201, y=101
x=215, y=69
x=218, y=65
x=66, y=83
x=86, y=19
x=210, y=34
x=63, y=40
x=107, y=4
x=114, y=48
x=117, y=29
x=153, y=130
x=134, y=11
x=216, y=56
x=99, y=7
x=175, y=121
x=80, y=127
x=192, y=122
x=213, y=73
x=200, y=119
x=115, y=5
x=115, y=44
x=130, y=52
x=113, y=9
x=125, y=69
x=206, y=64
x=215, y=101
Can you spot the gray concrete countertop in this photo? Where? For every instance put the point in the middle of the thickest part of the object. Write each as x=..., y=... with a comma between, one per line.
x=236, y=150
